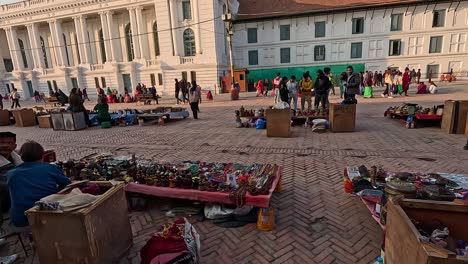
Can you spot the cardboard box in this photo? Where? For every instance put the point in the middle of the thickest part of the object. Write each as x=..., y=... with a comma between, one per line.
x=342, y=117
x=4, y=118
x=454, y=118
x=96, y=234
x=44, y=121
x=278, y=122
x=24, y=117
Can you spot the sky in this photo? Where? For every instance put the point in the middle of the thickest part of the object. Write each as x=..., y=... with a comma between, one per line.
x=8, y=1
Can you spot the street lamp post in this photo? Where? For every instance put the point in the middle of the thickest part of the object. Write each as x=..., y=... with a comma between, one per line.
x=227, y=18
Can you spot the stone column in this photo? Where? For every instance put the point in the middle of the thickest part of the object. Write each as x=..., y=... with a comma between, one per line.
x=105, y=33
x=79, y=36
x=61, y=43
x=12, y=39
x=111, y=29
x=35, y=46
x=55, y=44
x=197, y=26
x=173, y=15
x=142, y=34
x=85, y=39
x=135, y=38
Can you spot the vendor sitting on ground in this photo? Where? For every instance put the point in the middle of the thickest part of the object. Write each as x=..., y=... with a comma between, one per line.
x=422, y=88
x=433, y=88
x=8, y=159
x=32, y=181
x=102, y=109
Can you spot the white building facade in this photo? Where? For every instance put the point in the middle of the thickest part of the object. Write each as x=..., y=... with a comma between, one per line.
x=426, y=35
x=65, y=44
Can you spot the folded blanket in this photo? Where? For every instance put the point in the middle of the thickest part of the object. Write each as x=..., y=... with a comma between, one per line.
x=67, y=202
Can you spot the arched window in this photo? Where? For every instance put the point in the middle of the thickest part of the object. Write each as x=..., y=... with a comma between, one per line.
x=23, y=53
x=66, y=48
x=189, y=42
x=102, y=46
x=156, y=39
x=129, y=40
x=77, y=50
x=44, y=53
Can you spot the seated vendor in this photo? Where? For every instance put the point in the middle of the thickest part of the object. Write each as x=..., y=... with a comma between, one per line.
x=8, y=160
x=102, y=109
x=422, y=88
x=32, y=181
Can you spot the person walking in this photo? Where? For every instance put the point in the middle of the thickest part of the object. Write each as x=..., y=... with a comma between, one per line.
x=194, y=97
x=185, y=90
x=276, y=86
x=406, y=81
x=85, y=95
x=322, y=89
x=388, y=84
x=259, y=88
x=305, y=86
x=368, y=86
x=37, y=96
x=418, y=75
x=154, y=93
x=177, y=91
x=15, y=96
x=352, y=85
x=293, y=91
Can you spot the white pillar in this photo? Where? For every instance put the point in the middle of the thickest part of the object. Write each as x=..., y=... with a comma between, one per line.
x=173, y=15
x=34, y=48
x=79, y=36
x=135, y=38
x=85, y=39
x=197, y=27
x=112, y=38
x=142, y=34
x=13, y=45
x=61, y=43
x=37, y=46
x=105, y=33
x=55, y=43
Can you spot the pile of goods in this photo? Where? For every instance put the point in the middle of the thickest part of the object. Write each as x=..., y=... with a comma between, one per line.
x=237, y=179
x=310, y=113
x=260, y=113
x=411, y=109
x=437, y=233
x=376, y=185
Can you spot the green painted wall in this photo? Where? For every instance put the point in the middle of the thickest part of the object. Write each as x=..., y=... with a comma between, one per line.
x=255, y=75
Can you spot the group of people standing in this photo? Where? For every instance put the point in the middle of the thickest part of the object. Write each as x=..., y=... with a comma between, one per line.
x=191, y=92
x=288, y=90
x=398, y=83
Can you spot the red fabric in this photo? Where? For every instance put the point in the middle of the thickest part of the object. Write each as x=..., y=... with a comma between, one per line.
x=188, y=194
x=209, y=95
x=276, y=85
x=167, y=258
x=137, y=92
x=422, y=89
x=93, y=189
x=406, y=80
x=260, y=86
x=426, y=116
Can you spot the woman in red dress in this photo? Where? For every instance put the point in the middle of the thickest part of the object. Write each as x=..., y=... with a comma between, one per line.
x=406, y=81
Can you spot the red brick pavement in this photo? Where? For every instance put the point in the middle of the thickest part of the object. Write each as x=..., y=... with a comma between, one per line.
x=316, y=222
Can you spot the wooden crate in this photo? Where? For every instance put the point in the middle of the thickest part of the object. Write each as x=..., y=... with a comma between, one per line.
x=99, y=233
x=278, y=122
x=342, y=117
x=403, y=242
x=462, y=111
x=4, y=118
x=466, y=126
x=44, y=121
x=24, y=117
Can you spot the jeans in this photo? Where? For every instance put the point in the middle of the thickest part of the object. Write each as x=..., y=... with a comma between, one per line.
x=194, y=107
x=277, y=95
x=321, y=98
x=308, y=99
x=293, y=98
x=15, y=102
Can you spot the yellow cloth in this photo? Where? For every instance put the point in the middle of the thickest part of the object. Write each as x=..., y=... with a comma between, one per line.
x=306, y=87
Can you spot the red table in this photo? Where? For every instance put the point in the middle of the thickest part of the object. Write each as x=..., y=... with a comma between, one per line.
x=204, y=196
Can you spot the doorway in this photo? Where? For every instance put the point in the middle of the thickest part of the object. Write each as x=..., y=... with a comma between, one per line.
x=30, y=88
x=432, y=71
x=127, y=80
x=74, y=82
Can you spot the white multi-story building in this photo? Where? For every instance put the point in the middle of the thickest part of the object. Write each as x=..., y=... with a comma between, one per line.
x=46, y=44
x=290, y=36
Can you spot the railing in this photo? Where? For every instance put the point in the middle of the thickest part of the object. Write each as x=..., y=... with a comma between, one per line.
x=7, y=75
x=97, y=67
x=152, y=62
x=49, y=71
x=186, y=60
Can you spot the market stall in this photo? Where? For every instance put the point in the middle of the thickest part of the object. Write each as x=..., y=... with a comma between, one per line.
x=228, y=183
x=415, y=116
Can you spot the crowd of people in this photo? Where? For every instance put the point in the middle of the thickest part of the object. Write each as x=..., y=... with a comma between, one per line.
x=289, y=90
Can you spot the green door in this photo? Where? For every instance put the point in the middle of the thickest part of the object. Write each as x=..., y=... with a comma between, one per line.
x=127, y=80
x=30, y=88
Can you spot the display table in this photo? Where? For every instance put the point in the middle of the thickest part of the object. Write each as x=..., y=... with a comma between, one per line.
x=204, y=196
x=98, y=233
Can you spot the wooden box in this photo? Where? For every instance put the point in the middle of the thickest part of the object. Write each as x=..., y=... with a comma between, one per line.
x=404, y=243
x=44, y=121
x=4, y=118
x=462, y=111
x=454, y=118
x=278, y=122
x=342, y=117
x=99, y=233
x=466, y=126
x=24, y=117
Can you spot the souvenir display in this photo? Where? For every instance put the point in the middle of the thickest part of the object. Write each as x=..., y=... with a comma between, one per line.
x=236, y=179
x=416, y=116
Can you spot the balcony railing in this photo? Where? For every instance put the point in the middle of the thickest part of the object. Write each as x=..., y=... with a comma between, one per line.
x=97, y=67
x=152, y=62
x=186, y=60
x=49, y=71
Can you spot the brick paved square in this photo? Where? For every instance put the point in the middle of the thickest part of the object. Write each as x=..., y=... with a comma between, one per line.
x=316, y=221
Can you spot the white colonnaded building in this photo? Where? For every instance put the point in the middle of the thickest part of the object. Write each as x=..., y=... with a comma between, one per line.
x=65, y=44
x=293, y=36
